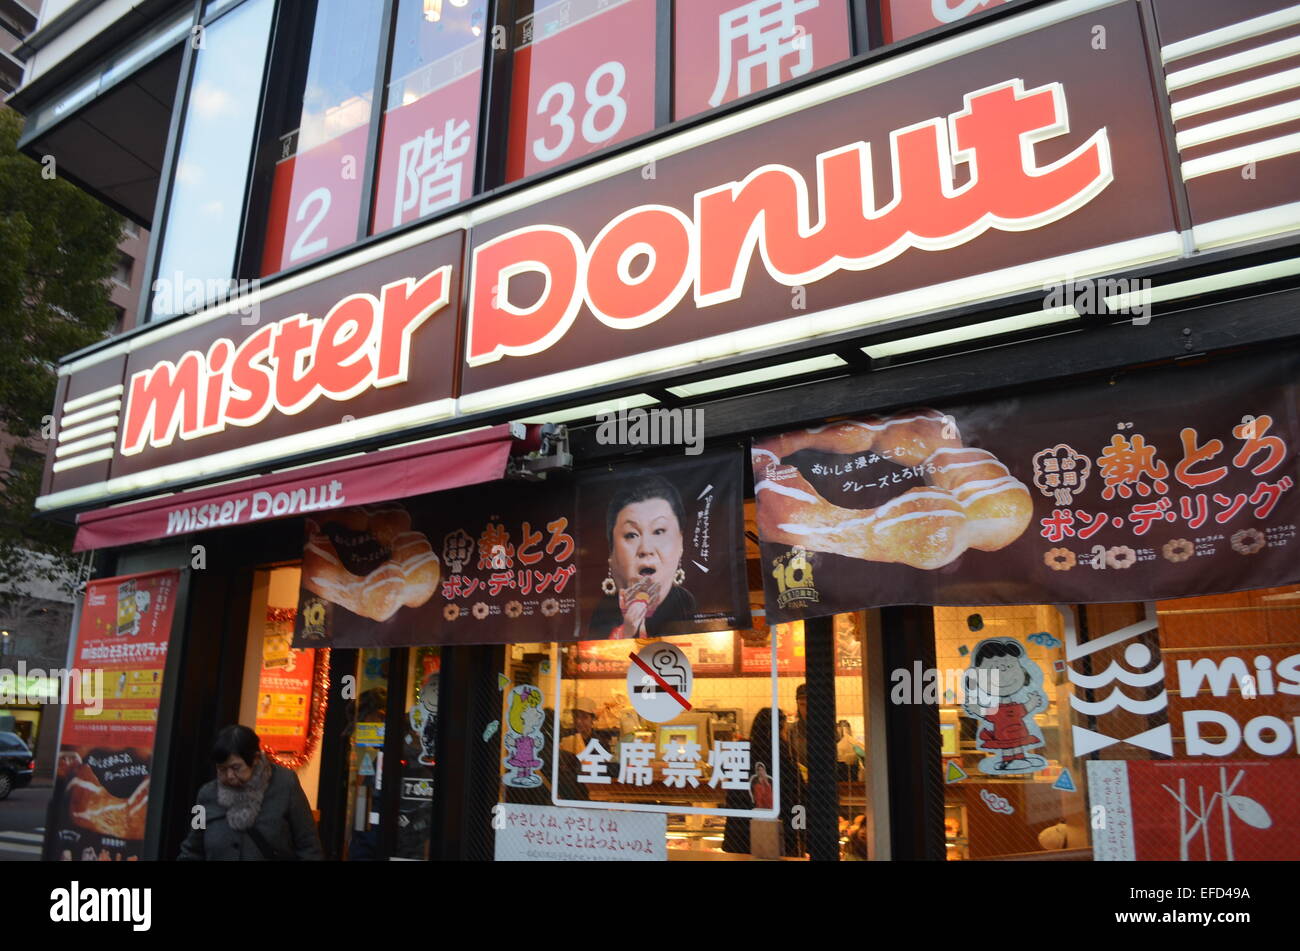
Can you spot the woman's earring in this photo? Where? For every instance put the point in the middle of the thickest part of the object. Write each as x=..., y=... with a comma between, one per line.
x=680, y=577
x=608, y=585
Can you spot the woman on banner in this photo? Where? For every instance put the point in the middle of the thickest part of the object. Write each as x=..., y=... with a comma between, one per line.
x=254, y=811
x=643, y=590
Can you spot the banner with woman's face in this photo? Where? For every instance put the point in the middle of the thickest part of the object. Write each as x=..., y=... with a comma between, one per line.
x=623, y=552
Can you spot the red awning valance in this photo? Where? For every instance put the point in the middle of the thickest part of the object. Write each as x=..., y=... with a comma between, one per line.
x=430, y=466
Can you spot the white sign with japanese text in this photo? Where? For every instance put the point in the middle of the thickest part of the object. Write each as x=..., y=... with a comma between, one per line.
x=548, y=834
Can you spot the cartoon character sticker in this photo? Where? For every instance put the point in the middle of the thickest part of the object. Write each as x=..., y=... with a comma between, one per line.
x=523, y=737
x=424, y=718
x=1003, y=690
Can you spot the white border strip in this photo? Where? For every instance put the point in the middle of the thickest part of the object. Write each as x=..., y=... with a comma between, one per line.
x=1248, y=227
x=337, y=434
x=1236, y=158
x=109, y=391
x=76, y=432
x=936, y=297
x=1244, y=30
x=90, y=413
x=81, y=445
x=1232, y=95
x=1246, y=122
x=80, y=461
x=1248, y=59
x=1028, y=22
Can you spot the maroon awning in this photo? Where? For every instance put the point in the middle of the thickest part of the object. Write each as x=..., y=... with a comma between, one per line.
x=430, y=466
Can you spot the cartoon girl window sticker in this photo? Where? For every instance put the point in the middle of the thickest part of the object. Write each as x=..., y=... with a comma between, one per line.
x=424, y=718
x=523, y=738
x=1003, y=690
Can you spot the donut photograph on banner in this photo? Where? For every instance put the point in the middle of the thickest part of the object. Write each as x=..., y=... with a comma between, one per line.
x=1087, y=493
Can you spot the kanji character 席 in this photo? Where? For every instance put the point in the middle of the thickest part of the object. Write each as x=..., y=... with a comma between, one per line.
x=634, y=763
x=1123, y=463
x=1268, y=494
x=593, y=759
x=1058, y=525
x=1194, y=455
x=729, y=762
x=1232, y=506
x=681, y=764
x=769, y=32
x=1251, y=432
x=1202, y=509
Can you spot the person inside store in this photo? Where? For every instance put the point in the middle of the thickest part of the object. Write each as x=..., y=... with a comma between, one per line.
x=737, y=836
x=255, y=810
x=584, y=725
x=798, y=730
x=643, y=592
x=848, y=753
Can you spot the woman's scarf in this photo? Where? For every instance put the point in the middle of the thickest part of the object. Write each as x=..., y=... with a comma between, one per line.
x=245, y=802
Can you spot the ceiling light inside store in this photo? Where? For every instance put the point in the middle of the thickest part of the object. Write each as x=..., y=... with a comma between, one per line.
x=989, y=328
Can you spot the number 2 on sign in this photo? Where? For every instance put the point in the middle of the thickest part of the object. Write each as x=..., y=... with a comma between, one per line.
x=597, y=104
x=302, y=248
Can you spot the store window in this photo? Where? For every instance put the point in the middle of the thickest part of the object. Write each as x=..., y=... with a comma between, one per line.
x=576, y=731
x=323, y=129
x=583, y=79
x=429, y=139
x=726, y=49
x=201, y=233
x=900, y=19
x=1014, y=785
x=365, y=761
x=419, y=753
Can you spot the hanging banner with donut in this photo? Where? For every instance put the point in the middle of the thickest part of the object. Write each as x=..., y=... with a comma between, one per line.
x=1163, y=484
x=101, y=791
x=628, y=552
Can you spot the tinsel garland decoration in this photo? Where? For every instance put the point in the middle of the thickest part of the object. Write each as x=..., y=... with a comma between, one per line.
x=320, y=691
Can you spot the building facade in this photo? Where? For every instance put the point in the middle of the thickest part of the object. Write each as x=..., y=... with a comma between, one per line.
x=921, y=370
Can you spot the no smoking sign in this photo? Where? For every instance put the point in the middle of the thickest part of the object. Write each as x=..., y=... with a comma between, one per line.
x=659, y=681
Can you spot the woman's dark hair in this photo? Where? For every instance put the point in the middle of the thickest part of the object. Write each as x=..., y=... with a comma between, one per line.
x=760, y=736
x=643, y=489
x=997, y=649
x=236, y=740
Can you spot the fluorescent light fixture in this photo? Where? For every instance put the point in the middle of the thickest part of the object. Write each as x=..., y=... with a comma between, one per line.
x=989, y=328
x=1206, y=285
x=592, y=409
x=1226, y=65
x=1248, y=122
x=106, y=393
x=1236, y=158
x=1231, y=95
x=1204, y=42
x=762, y=375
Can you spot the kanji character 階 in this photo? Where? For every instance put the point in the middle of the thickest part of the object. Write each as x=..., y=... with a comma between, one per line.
x=1123, y=463
x=1252, y=433
x=1202, y=509
x=1144, y=513
x=559, y=539
x=530, y=538
x=1194, y=455
x=500, y=580
x=494, y=547
x=593, y=759
x=1231, y=506
x=729, y=762
x=681, y=764
x=1058, y=525
x=1095, y=524
x=1268, y=494
x=634, y=763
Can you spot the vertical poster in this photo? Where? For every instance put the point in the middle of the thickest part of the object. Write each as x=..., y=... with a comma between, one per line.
x=284, y=686
x=101, y=796
x=663, y=548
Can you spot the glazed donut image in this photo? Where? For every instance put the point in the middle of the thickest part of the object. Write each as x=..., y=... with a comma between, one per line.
x=92, y=806
x=970, y=500
x=405, y=572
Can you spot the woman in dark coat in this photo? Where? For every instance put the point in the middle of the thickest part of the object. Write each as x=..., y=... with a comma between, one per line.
x=735, y=836
x=254, y=811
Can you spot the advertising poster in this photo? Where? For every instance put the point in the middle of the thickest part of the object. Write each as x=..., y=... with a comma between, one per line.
x=533, y=561
x=572, y=91
x=101, y=793
x=284, y=686
x=756, y=648
x=1121, y=492
x=663, y=549
x=1165, y=810
x=548, y=834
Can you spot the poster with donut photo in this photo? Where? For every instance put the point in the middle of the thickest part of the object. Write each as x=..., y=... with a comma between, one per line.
x=662, y=548
x=1162, y=483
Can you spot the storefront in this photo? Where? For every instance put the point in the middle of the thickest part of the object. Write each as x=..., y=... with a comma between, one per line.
x=928, y=400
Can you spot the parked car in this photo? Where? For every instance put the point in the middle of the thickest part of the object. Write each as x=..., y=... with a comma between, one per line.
x=16, y=764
